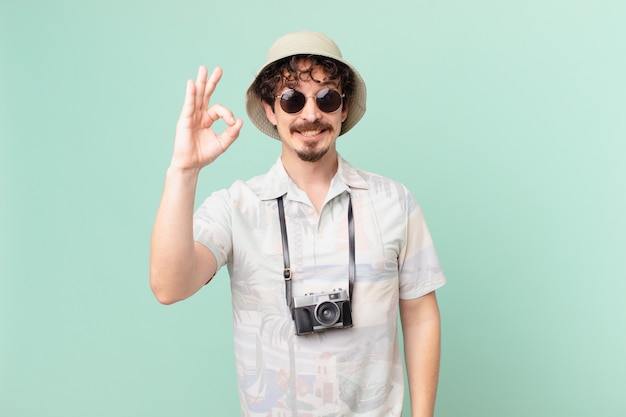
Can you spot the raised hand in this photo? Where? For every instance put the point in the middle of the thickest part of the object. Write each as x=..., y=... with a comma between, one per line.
x=197, y=144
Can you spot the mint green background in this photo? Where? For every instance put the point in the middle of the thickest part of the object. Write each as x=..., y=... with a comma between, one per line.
x=507, y=119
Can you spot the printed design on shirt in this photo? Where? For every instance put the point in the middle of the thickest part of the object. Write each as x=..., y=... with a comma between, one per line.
x=320, y=384
x=356, y=371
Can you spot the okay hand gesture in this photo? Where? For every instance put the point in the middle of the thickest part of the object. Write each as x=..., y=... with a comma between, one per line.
x=197, y=144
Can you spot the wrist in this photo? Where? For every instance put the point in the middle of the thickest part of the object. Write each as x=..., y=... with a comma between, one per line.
x=181, y=173
x=182, y=170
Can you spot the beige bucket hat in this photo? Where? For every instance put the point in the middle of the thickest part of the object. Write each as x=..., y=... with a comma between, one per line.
x=305, y=43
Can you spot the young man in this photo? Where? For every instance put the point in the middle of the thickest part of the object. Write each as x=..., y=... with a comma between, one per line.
x=321, y=255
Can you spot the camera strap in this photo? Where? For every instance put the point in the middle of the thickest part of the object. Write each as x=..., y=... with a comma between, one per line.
x=287, y=269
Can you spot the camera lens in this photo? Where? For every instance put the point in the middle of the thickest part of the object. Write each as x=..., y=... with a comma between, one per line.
x=327, y=313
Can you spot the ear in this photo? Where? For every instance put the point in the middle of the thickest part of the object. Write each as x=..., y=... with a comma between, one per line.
x=269, y=113
x=344, y=111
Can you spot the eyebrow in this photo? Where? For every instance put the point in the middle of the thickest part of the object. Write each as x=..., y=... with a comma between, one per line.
x=327, y=81
x=323, y=85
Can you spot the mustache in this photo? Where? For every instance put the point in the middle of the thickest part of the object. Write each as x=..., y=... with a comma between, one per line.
x=318, y=125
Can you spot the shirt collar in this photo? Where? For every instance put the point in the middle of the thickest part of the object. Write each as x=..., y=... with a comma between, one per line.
x=278, y=183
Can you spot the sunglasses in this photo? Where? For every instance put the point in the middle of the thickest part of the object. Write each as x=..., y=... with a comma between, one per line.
x=327, y=100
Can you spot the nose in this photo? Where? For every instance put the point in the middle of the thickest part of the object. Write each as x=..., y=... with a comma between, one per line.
x=310, y=112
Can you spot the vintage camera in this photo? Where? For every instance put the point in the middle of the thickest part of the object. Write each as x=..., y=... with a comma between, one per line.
x=315, y=312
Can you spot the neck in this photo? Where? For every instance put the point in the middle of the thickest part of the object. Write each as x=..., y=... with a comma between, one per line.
x=312, y=177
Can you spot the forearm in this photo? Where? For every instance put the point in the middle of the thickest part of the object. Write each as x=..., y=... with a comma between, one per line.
x=173, y=263
x=422, y=344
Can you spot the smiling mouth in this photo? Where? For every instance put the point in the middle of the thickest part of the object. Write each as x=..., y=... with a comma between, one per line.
x=311, y=130
x=310, y=133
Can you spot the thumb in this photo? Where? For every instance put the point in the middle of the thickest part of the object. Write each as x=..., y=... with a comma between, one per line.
x=228, y=136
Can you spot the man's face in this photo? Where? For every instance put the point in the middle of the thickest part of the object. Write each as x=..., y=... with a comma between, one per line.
x=311, y=133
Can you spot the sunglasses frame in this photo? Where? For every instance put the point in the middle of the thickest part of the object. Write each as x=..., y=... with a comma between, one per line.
x=294, y=92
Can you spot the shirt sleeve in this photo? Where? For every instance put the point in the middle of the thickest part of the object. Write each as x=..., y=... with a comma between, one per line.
x=418, y=264
x=212, y=226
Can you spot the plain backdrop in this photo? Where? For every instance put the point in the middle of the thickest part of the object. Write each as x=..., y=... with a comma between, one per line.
x=506, y=119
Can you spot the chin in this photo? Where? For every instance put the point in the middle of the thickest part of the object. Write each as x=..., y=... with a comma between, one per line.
x=312, y=155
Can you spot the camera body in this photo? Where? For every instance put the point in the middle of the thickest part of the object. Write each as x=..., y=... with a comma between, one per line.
x=315, y=312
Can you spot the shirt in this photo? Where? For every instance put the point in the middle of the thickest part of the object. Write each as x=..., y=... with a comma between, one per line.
x=336, y=372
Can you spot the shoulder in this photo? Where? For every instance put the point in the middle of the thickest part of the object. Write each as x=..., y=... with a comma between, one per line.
x=241, y=195
x=386, y=190
x=375, y=183
x=390, y=199
x=237, y=191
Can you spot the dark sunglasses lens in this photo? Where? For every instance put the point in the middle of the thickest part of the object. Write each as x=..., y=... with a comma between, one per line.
x=292, y=101
x=328, y=100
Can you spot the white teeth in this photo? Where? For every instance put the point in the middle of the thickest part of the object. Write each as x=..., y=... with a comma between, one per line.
x=310, y=132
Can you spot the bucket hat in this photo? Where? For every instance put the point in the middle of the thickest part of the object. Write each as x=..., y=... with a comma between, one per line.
x=305, y=43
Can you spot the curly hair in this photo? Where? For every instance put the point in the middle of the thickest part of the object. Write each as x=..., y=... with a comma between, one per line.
x=267, y=82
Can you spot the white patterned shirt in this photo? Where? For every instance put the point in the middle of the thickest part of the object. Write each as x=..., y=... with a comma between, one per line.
x=338, y=372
